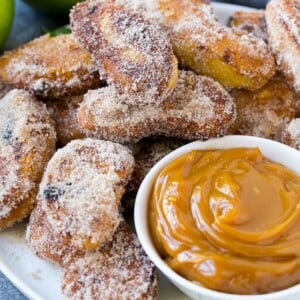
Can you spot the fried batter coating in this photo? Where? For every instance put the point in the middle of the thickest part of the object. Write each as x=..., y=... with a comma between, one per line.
x=198, y=108
x=148, y=152
x=64, y=113
x=45, y=244
x=264, y=112
x=119, y=270
x=134, y=53
x=4, y=89
x=291, y=134
x=283, y=21
x=251, y=21
x=50, y=67
x=81, y=191
x=27, y=141
x=230, y=56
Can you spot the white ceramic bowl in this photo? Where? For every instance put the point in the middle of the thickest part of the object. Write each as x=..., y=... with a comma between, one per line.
x=275, y=151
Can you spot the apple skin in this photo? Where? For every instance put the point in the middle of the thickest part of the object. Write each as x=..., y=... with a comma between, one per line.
x=6, y=19
x=52, y=7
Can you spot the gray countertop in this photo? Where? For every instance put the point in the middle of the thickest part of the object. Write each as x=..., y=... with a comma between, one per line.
x=28, y=24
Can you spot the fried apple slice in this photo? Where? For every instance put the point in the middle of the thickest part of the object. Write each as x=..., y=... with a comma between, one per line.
x=119, y=270
x=198, y=108
x=81, y=191
x=4, y=89
x=147, y=153
x=201, y=43
x=27, y=141
x=133, y=52
x=64, y=113
x=283, y=22
x=50, y=67
x=290, y=134
x=266, y=111
x=251, y=21
x=45, y=244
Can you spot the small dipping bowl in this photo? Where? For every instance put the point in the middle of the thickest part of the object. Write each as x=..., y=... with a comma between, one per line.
x=275, y=151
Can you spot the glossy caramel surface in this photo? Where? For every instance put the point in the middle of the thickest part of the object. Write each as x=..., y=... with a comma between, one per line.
x=229, y=219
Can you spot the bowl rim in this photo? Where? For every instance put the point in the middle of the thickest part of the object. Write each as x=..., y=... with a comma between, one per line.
x=270, y=149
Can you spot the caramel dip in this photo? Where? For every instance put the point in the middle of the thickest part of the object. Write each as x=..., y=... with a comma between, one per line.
x=228, y=220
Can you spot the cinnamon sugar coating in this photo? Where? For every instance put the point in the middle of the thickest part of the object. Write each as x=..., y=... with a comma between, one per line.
x=198, y=108
x=201, y=43
x=147, y=153
x=283, y=21
x=251, y=21
x=290, y=134
x=4, y=89
x=266, y=111
x=27, y=141
x=64, y=113
x=50, y=67
x=45, y=244
x=150, y=151
x=81, y=191
x=133, y=52
x=119, y=270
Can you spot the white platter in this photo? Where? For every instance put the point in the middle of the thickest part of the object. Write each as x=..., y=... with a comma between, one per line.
x=39, y=280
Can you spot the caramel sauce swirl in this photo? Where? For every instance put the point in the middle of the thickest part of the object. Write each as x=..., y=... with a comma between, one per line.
x=229, y=220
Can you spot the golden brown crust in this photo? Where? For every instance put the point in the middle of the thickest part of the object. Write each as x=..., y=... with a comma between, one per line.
x=134, y=53
x=147, y=153
x=230, y=56
x=50, y=67
x=27, y=141
x=4, y=89
x=81, y=191
x=251, y=21
x=283, y=22
x=290, y=134
x=64, y=113
x=119, y=270
x=150, y=151
x=266, y=111
x=198, y=108
x=45, y=244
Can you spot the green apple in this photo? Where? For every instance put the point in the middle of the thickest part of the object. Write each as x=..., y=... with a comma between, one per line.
x=52, y=7
x=6, y=19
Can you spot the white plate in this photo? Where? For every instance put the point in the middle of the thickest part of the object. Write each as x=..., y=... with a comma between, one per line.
x=39, y=280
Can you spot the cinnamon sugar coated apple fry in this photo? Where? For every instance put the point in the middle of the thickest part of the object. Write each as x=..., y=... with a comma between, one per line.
x=45, y=244
x=81, y=191
x=147, y=153
x=4, y=89
x=201, y=43
x=266, y=111
x=290, y=134
x=198, y=108
x=27, y=141
x=119, y=270
x=50, y=67
x=251, y=21
x=134, y=54
x=150, y=151
x=64, y=113
x=283, y=21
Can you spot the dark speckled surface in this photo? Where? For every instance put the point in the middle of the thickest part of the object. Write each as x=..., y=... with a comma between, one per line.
x=28, y=24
